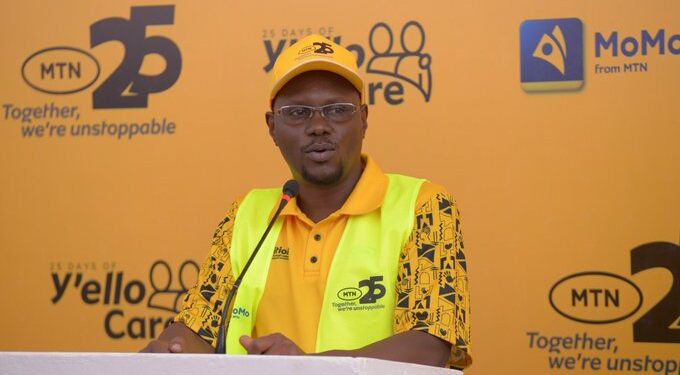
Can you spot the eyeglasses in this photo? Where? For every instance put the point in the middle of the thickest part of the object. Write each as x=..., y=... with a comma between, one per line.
x=299, y=114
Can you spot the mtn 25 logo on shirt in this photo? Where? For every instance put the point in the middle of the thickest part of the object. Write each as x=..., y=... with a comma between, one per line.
x=551, y=54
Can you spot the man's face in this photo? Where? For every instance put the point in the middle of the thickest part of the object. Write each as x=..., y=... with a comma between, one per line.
x=319, y=151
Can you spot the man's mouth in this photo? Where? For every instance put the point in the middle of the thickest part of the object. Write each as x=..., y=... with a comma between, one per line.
x=319, y=152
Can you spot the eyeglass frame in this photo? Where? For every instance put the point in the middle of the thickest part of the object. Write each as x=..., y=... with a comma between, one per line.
x=320, y=109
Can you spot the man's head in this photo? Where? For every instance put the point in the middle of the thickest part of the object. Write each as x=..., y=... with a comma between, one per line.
x=317, y=118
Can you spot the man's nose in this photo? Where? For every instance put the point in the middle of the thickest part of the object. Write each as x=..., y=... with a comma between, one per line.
x=317, y=124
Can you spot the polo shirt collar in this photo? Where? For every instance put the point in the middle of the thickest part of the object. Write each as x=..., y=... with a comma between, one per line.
x=367, y=195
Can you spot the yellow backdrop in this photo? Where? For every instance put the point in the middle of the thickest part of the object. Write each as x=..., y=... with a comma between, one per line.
x=128, y=127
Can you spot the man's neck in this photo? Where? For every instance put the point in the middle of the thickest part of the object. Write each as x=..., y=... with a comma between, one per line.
x=319, y=201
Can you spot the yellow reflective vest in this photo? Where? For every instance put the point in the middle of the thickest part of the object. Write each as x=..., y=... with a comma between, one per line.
x=360, y=294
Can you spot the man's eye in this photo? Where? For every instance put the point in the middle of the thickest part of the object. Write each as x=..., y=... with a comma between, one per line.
x=336, y=110
x=296, y=112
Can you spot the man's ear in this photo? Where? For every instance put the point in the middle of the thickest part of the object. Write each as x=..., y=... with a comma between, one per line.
x=269, y=119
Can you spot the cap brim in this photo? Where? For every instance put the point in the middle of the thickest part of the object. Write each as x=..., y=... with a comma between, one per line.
x=319, y=64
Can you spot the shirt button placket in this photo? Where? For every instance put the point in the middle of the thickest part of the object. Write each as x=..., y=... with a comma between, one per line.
x=314, y=251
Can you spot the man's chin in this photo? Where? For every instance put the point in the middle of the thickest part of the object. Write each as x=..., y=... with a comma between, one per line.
x=322, y=177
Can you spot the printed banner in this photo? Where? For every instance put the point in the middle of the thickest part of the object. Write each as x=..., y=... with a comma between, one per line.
x=128, y=128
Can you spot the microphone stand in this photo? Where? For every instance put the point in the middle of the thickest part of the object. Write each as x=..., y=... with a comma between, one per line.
x=290, y=190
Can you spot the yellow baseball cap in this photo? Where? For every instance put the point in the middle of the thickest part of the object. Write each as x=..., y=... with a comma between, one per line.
x=314, y=52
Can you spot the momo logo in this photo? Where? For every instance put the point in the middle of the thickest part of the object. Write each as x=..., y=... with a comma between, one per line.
x=551, y=54
x=240, y=312
x=67, y=70
x=375, y=289
x=323, y=48
x=549, y=43
x=649, y=42
x=396, y=59
x=613, y=46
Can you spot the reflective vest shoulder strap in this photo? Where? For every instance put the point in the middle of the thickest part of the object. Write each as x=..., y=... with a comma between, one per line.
x=252, y=218
x=360, y=293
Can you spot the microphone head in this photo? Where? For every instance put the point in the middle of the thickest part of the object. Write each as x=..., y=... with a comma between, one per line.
x=291, y=188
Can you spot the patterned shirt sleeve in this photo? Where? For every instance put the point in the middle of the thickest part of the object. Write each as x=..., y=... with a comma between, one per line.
x=432, y=283
x=202, y=306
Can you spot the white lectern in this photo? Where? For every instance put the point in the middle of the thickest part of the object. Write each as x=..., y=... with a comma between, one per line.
x=15, y=363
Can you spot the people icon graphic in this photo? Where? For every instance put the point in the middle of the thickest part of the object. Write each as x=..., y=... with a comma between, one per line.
x=410, y=64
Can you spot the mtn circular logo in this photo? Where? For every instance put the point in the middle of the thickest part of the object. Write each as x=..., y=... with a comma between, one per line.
x=60, y=70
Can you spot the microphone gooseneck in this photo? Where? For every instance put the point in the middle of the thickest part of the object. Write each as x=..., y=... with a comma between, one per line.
x=290, y=190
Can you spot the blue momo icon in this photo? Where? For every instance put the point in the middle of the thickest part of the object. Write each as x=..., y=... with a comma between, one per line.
x=551, y=54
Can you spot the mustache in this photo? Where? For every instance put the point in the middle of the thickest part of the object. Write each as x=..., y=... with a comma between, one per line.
x=319, y=145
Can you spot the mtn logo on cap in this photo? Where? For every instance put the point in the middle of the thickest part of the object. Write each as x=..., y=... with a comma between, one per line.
x=323, y=48
x=320, y=48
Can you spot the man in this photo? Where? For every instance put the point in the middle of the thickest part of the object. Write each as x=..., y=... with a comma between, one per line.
x=360, y=264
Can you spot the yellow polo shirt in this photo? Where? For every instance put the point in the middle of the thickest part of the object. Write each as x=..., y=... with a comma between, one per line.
x=432, y=288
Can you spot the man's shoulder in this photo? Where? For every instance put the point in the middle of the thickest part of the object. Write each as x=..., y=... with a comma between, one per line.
x=432, y=192
x=427, y=187
x=432, y=188
x=256, y=192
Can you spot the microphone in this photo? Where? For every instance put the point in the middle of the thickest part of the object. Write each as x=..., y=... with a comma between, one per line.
x=290, y=190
